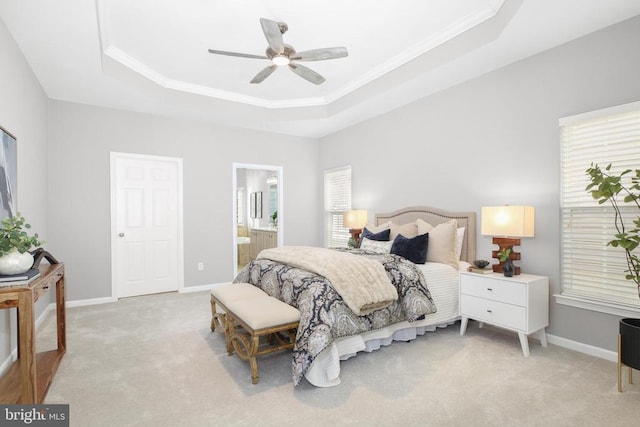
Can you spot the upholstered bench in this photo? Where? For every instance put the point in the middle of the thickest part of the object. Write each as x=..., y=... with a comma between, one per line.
x=223, y=295
x=248, y=317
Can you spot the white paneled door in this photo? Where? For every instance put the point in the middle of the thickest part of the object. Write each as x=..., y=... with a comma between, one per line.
x=146, y=224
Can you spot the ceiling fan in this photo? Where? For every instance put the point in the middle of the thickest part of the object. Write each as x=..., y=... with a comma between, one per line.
x=281, y=54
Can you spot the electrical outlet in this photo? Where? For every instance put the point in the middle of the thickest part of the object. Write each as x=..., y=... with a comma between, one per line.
x=200, y=266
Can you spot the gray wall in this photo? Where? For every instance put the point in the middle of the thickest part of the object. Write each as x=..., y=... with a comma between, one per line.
x=495, y=140
x=23, y=112
x=80, y=140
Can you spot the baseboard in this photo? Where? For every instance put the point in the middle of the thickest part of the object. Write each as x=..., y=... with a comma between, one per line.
x=200, y=288
x=601, y=353
x=92, y=301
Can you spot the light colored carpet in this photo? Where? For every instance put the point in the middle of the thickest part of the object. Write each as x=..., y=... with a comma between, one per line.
x=152, y=361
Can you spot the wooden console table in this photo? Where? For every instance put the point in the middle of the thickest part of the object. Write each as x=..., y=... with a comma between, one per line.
x=28, y=379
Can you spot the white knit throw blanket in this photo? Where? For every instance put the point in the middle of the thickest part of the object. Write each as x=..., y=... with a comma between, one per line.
x=362, y=283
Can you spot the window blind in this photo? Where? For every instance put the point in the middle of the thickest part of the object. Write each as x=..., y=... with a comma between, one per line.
x=337, y=199
x=590, y=269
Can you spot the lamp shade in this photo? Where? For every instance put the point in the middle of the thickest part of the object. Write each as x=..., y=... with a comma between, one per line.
x=514, y=221
x=354, y=219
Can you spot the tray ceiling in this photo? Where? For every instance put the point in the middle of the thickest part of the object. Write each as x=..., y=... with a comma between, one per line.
x=152, y=55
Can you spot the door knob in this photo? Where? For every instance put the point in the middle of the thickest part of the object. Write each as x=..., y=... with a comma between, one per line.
x=121, y=235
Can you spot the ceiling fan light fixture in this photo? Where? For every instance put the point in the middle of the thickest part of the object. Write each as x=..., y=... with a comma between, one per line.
x=280, y=60
x=283, y=55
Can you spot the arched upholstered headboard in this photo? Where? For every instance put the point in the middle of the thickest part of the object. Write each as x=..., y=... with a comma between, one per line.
x=436, y=216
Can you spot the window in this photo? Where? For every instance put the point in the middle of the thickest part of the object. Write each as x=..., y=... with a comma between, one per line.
x=592, y=274
x=337, y=199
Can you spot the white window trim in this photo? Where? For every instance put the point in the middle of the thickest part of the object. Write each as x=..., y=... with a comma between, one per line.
x=599, y=306
x=328, y=212
x=580, y=301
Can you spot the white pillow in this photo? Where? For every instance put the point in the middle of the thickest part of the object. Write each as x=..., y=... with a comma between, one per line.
x=376, y=246
x=442, y=241
x=459, y=241
x=407, y=230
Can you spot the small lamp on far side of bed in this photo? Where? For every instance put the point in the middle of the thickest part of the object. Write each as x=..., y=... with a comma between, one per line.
x=509, y=223
x=355, y=221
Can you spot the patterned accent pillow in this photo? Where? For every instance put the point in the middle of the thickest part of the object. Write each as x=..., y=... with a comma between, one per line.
x=379, y=247
x=414, y=249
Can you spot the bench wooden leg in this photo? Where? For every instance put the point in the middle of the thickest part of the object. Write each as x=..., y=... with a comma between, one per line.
x=246, y=346
x=218, y=320
x=230, y=331
x=213, y=314
x=252, y=360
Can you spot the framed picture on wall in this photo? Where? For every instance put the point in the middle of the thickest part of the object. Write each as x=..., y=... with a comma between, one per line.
x=8, y=174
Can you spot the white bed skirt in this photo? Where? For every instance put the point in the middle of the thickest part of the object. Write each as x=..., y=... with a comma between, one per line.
x=325, y=369
x=443, y=284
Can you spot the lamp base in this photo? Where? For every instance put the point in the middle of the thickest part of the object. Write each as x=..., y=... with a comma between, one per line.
x=506, y=243
x=355, y=235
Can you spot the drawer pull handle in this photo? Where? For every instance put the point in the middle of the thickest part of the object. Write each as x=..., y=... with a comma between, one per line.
x=489, y=311
x=489, y=289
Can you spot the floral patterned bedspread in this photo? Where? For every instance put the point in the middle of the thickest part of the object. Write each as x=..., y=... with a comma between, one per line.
x=324, y=316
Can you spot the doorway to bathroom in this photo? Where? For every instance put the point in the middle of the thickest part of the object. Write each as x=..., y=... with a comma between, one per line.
x=257, y=211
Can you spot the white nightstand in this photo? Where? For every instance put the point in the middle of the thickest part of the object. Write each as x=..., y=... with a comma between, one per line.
x=519, y=303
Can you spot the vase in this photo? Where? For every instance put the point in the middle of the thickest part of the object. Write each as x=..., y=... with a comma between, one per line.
x=15, y=263
x=507, y=268
x=630, y=349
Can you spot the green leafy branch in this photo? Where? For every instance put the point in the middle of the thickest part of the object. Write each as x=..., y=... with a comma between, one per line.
x=605, y=187
x=503, y=255
x=12, y=235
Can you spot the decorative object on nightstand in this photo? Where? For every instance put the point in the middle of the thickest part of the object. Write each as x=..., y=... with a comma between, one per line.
x=507, y=224
x=507, y=265
x=355, y=221
x=479, y=266
x=520, y=304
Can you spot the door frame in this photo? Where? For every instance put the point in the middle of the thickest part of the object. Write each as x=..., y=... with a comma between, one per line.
x=114, y=156
x=234, y=205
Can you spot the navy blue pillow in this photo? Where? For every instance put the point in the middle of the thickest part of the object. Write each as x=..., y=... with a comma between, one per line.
x=381, y=236
x=414, y=249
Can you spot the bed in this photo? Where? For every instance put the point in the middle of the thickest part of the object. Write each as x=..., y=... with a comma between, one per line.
x=321, y=347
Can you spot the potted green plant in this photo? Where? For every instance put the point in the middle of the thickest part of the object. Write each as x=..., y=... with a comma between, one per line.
x=15, y=244
x=507, y=267
x=274, y=218
x=607, y=187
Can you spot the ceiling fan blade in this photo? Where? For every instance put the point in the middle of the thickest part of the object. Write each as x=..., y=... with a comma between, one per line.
x=266, y=72
x=321, y=54
x=271, y=31
x=241, y=55
x=307, y=73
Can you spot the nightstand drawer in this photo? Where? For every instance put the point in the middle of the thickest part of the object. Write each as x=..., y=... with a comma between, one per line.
x=493, y=312
x=497, y=290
